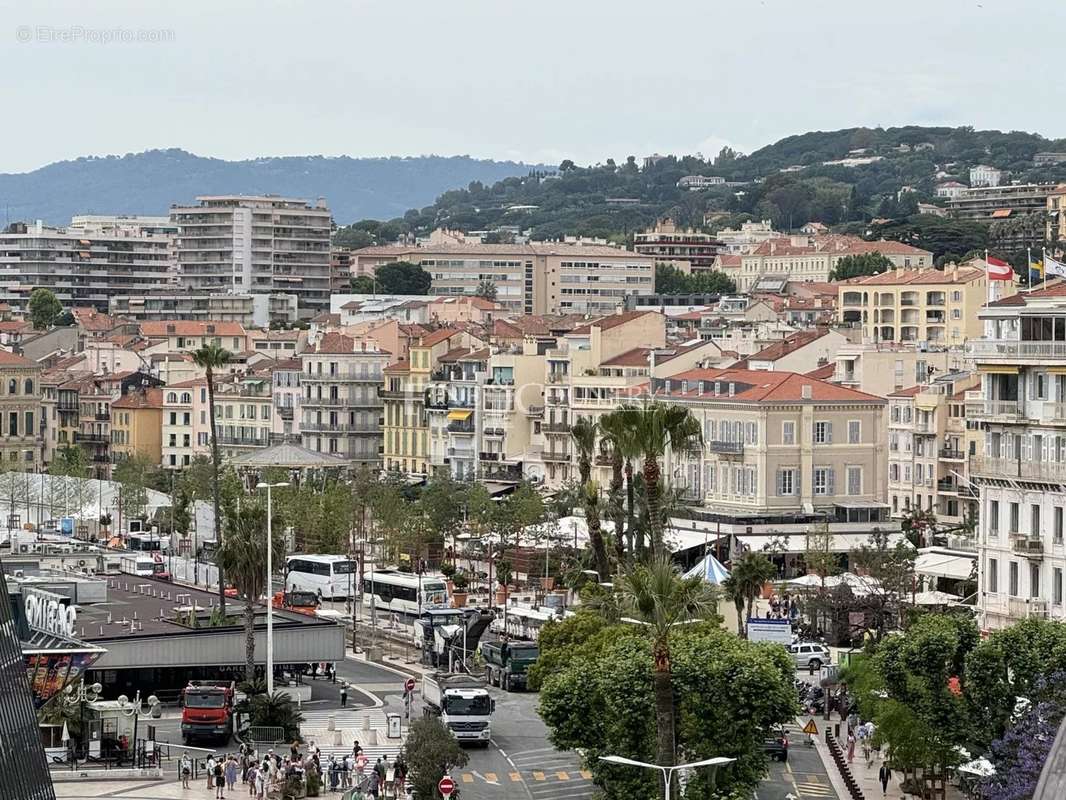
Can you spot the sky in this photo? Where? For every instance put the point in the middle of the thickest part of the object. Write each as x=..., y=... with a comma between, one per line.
x=538, y=82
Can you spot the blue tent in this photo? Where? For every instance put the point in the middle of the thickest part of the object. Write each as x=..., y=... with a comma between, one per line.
x=710, y=569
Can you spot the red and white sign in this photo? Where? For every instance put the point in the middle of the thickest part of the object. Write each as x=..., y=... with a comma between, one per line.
x=409, y=685
x=999, y=270
x=446, y=787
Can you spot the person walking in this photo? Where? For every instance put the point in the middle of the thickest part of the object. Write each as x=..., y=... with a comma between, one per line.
x=220, y=781
x=186, y=771
x=210, y=772
x=231, y=773
x=346, y=772
x=344, y=696
x=851, y=746
x=884, y=775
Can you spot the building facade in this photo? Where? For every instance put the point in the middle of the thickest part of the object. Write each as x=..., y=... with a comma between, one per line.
x=249, y=310
x=984, y=175
x=256, y=245
x=137, y=426
x=21, y=414
x=688, y=248
x=185, y=426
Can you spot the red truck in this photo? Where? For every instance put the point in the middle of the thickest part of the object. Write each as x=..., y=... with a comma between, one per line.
x=207, y=710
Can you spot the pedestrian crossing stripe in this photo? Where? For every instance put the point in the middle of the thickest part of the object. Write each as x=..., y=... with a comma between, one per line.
x=468, y=778
x=562, y=776
x=586, y=774
x=516, y=777
x=815, y=789
x=490, y=777
x=538, y=776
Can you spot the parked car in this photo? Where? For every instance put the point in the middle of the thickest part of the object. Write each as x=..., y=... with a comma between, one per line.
x=810, y=654
x=776, y=745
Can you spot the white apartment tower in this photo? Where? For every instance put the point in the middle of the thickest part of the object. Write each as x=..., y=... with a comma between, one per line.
x=259, y=245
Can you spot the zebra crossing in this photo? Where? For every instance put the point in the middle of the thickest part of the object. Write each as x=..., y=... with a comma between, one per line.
x=551, y=775
x=368, y=726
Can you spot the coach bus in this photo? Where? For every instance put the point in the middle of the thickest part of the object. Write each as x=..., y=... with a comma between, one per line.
x=328, y=577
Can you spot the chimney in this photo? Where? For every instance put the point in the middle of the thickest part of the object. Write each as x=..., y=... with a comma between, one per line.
x=805, y=391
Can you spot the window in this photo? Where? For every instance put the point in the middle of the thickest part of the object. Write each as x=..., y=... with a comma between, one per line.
x=788, y=433
x=854, y=431
x=1012, y=587
x=893, y=471
x=1057, y=534
x=993, y=518
x=786, y=482
x=823, y=433
x=854, y=480
x=1015, y=514
x=1056, y=586
x=823, y=481
x=1034, y=520
x=1034, y=580
x=992, y=584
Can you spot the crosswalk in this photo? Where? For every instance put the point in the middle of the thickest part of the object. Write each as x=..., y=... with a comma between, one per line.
x=368, y=726
x=551, y=775
x=811, y=784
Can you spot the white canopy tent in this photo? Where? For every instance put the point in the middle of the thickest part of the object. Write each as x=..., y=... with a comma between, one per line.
x=37, y=497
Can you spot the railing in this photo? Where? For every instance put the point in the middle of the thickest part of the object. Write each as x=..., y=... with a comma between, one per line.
x=1017, y=468
x=241, y=441
x=1055, y=411
x=103, y=416
x=726, y=448
x=494, y=432
x=460, y=427
x=1026, y=607
x=604, y=460
x=534, y=411
x=339, y=377
x=993, y=408
x=343, y=427
x=948, y=454
x=401, y=394
x=555, y=427
x=92, y=438
x=557, y=377
x=947, y=486
x=548, y=455
x=1016, y=349
x=489, y=456
x=1028, y=546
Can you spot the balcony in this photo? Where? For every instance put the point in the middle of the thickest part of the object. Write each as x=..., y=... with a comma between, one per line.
x=726, y=448
x=947, y=486
x=535, y=411
x=1029, y=546
x=503, y=472
x=494, y=433
x=549, y=455
x=241, y=441
x=338, y=377
x=1014, y=349
x=1009, y=410
x=604, y=460
x=91, y=438
x=462, y=428
x=103, y=416
x=1022, y=608
x=557, y=377
x=489, y=456
x=400, y=394
x=949, y=454
x=1054, y=472
x=555, y=427
x=342, y=427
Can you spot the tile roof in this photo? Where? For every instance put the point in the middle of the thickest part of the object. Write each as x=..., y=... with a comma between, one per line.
x=185, y=327
x=610, y=321
x=149, y=398
x=910, y=392
x=192, y=384
x=834, y=244
x=531, y=249
x=728, y=261
x=9, y=359
x=436, y=337
x=413, y=330
x=763, y=387
x=824, y=372
x=1056, y=289
x=325, y=318
x=909, y=277
x=334, y=343
x=14, y=326
x=92, y=320
x=789, y=345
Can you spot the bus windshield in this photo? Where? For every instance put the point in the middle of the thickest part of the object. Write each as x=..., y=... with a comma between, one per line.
x=343, y=567
x=297, y=599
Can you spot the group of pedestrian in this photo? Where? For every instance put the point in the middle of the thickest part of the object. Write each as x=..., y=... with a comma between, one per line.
x=861, y=734
x=782, y=608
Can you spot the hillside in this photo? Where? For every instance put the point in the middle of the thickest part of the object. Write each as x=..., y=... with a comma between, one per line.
x=787, y=182
x=149, y=182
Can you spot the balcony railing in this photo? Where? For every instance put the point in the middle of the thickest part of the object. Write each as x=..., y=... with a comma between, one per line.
x=241, y=441
x=1015, y=349
x=460, y=427
x=342, y=427
x=947, y=486
x=497, y=433
x=993, y=408
x=1029, y=546
x=534, y=411
x=1017, y=468
x=555, y=427
x=948, y=454
x=92, y=438
x=489, y=456
x=103, y=416
x=549, y=455
x=726, y=448
x=1022, y=608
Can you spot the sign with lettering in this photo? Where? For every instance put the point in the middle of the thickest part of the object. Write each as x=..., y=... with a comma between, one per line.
x=46, y=612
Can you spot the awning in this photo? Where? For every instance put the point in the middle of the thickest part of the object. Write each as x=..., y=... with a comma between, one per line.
x=460, y=414
x=1057, y=370
x=997, y=370
x=944, y=565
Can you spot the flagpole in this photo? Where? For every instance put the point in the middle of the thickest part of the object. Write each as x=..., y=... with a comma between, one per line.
x=1029, y=269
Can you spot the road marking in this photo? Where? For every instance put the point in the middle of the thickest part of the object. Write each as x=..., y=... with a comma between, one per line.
x=562, y=776
x=516, y=777
x=537, y=775
x=586, y=774
x=468, y=778
x=490, y=777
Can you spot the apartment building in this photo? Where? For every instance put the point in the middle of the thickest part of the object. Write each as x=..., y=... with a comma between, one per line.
x=1000, y=202
x=1055, y=234
x=929, y=451
x=881, y=368
x=82, y=268
x=21, y=414
x=736, y=241
x=256, y=245
x=937, y=308
x=534, y=278
x=340, y=411
x=247, y=310
x=287, y=380
x=800, y=352
x=244, y=414
x=983, y=175
x=689, y=249
x=137, y=426
x=1021, y=471
x=812, y=258
x=185, y=430
x=779, y=443
x=185, y=335
x=406, y=432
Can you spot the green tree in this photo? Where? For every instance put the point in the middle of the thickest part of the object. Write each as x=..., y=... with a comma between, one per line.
x=44, y=308
x=242, y=555
x=749, y=574
x=402, y=277
x=859, y=265
x=487, y=290
x=657, y=427
x=617, y=437
x=363, y=284
x=671, y=280
x=134, y=476
x=585, y=432
x=431, y=752
x=212, y=357
x=892, y=571
x=656, y=596
x=277, y=711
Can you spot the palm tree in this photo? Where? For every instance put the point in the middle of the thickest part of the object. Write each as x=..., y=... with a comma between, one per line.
x=657, y=596
x=212, y=356
x=746, y=579
x=616, y=434
x=656, y=428
x=584, y=432
x=242, y=554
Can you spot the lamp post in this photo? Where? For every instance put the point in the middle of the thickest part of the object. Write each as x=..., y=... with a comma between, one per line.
x=134, y=710
x=80, y=697
x=668, y=772
x=269, y=587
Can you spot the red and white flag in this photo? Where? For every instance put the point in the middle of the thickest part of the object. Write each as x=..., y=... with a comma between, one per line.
x=999, y=270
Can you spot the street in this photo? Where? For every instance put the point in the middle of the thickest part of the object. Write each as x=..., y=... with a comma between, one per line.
x=803, y=776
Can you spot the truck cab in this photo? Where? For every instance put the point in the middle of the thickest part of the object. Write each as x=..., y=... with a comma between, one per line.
x=463, y=705
x=207, y=710
x=299, y=601
x=508, y=663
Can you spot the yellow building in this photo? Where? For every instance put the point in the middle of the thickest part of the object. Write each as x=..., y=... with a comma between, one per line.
x=137, y=426
x=1056, y=217
x=21, y=443
x=938, y=307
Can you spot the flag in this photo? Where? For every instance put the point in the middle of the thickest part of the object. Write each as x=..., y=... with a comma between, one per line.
x=1036, y=272
x=1053, y=267
x=999, y=270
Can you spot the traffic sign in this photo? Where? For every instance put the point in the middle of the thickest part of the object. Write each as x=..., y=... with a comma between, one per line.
x=446, y=787
x=409, y=685
x=810, y=728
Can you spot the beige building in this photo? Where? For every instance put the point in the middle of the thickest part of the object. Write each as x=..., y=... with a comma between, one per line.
x=1056, y=218
x=931, y=306
x=800, y=352
x=244, y=414
x=535, y=278
x=21, y=414
x=137, y=426
x=185, y=426
x=256, y=245
x=689, y=249
x=184, y=335
x=812, y=258
x=881, y=368
x=249, y=310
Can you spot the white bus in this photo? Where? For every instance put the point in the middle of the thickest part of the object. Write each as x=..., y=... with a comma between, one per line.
x=330, y=577
x=398, y=591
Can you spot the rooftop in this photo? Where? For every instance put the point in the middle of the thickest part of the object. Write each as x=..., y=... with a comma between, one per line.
x=917, y=277
x=758, y=386
x=149, y=398
x=789, y=345
x=531, y=249
x=181, y=327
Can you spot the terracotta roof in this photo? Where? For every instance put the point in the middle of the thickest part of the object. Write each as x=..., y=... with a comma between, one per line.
x=763, y=387
x=188, y=384
x=609, y=322
x=909, y=277
x=790, y=345
x=403, y=365
x=823, y=373
x=290, y=364
x=14, y=326
x=413, y=330
x=352, y=305
x=436, y=337
x=9, y=359
x=1057, y=289
x=729, y=261
x=184, y=327
x=149, y=398
x=454, y=355
x=834, y=244
x=326, y=318
x=911, y=392
x=275, y=336
x=334, y=343
x=92, y=320
x=531, y=249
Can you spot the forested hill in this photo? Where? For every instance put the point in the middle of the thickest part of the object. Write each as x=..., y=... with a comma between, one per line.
x=149, y=182
x=787, y=182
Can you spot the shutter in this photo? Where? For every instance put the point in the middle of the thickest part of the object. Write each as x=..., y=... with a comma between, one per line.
x=829, y=433
x=830, y=481
x=714, y=429
x=780, y=483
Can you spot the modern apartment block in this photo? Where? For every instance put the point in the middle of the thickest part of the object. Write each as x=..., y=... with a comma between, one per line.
x=535, y=278
x=932, y=307
x=256, y=245
x=993, y=202
x=1021, y=469
x=1055, y=235
x=690, y=249
x=248, y=310
x=82, y=268
x=21, y=415
x=340, y=411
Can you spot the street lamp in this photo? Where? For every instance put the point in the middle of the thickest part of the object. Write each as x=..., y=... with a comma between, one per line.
x=78, y=696
x=154, y=710
x=269, y=587
x=668, y=772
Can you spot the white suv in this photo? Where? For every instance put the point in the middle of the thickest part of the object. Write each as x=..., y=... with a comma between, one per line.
x=808, y=654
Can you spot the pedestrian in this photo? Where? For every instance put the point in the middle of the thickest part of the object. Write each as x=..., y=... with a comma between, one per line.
x=810, y=668
x=334, y=774
x=356, y=750
x=220, y=781
x=250, y=778
x=186, y=771
x=346, y=772
x=210, y=772
x=884, y=775
x=851, y=746
x=344, y=696
x=294, y=751
x=231, y=773
x=381, y=769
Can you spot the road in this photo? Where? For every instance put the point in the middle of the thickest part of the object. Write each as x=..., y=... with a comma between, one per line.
x=803, y=776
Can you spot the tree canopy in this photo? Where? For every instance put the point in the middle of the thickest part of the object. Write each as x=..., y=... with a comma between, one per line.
x=671, y=280
x=859, y=265
x=44, y=308
x=402, y=277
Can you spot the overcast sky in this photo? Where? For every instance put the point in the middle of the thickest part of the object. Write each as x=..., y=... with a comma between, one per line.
x=535, y=81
